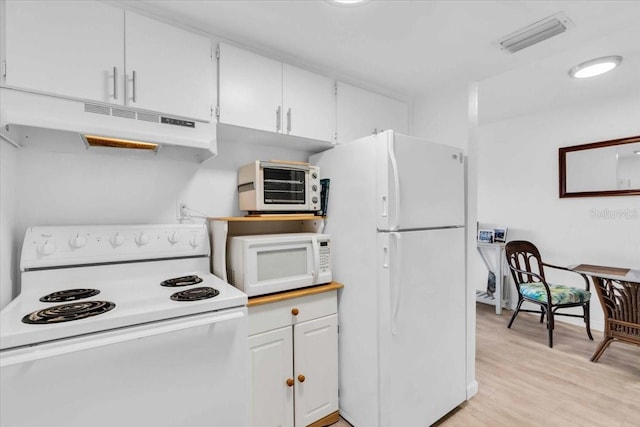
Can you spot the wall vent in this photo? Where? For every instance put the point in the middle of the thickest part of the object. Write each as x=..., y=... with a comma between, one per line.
x=123, y=113
x=149, y=117
x=535, y=33
x=98, y=109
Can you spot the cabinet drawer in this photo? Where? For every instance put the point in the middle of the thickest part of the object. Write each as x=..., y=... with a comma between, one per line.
x=279, y=314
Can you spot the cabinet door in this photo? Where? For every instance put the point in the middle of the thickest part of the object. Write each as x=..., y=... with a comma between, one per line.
x=316, y=358
x=250, y=90
x=174, y=69
x=270, y=366
x=309, y=104
x=361, y=113
x=66, y=48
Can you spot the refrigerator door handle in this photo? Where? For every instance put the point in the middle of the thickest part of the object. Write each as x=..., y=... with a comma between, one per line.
x=385, y=209
x=396, y=184
x=395, y=282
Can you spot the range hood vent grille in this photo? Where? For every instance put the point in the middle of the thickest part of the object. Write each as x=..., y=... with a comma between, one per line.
x=98, y=109
x=125, y=114
x=536, y=33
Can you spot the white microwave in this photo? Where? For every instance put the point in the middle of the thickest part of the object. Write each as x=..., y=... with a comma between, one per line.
x=279, y=186
x=267, y=263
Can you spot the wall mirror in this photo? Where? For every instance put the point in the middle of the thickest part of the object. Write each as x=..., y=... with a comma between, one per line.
x=606, y=168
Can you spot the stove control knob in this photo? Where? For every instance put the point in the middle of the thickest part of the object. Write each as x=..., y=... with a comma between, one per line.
x=174, y=238
x=142, y=239
x=47, y=248
x=117, y=240
x=77, y=241
x=195, y=241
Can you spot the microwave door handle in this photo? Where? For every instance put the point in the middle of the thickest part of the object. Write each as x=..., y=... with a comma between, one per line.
x=315, y=247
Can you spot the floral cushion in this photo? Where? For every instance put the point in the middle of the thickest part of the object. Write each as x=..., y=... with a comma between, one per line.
x=559, y=294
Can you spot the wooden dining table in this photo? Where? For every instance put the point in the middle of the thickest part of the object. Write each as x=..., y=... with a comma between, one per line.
x=619, y=292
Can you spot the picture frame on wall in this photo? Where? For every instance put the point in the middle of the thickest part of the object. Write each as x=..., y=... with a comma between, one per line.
x=500, y=234
x=485, y=236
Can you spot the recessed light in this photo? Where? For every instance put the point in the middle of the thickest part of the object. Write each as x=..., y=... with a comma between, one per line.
x=343, y=3
x=595, y=67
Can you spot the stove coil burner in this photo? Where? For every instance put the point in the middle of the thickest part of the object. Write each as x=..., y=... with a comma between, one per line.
x=195, y=294
x=68, y=312
x=69, y=295
x=181, y=281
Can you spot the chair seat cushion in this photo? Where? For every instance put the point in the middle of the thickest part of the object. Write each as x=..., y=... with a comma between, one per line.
x=559, y=294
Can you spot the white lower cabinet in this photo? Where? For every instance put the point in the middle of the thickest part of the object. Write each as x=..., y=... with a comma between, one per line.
x=293, y=357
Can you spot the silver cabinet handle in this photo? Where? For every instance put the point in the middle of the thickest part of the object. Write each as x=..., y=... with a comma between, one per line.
x=115, y=82
x=278, y=118
x=289, y=120
x=134, y=79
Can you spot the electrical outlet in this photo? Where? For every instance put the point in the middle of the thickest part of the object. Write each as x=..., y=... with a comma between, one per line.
x=181, y=211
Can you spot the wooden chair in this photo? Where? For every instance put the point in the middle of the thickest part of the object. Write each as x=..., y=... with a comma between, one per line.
x=527, y=270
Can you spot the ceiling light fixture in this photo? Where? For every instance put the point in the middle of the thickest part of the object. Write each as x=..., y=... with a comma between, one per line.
x=637, y=152
x=536, y=32
x=595, y=67
x=343, y=3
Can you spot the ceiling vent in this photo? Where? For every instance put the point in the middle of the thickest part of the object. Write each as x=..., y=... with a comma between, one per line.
x=535, y=33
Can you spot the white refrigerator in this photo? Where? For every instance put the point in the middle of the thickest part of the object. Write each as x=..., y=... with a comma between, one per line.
x=396, y=219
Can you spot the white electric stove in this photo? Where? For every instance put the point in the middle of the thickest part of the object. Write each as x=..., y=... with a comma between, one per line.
x=122, y=325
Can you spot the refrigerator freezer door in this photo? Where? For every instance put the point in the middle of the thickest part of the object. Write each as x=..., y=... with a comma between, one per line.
x=420, y=183
x=421, y=329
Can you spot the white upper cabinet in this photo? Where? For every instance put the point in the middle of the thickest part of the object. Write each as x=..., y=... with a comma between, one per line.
x=168, y=69
x=361, y=113
x=309, y=104
x=250, y=89
x=66, y=48
x=78, y=49
x=260, y=93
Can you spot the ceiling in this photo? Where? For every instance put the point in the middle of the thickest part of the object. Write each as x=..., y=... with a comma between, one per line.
x=407, y=49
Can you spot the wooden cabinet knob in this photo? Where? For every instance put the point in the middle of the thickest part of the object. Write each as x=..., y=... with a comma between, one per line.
x=295, y=311
x=290, y=382
x=301, y=378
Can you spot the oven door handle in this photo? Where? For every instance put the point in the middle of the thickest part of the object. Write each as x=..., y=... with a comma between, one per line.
x=61, y=349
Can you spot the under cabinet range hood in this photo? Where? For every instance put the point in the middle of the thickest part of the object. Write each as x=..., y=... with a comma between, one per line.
x=105, y=127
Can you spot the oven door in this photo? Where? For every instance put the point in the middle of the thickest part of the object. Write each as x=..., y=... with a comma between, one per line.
x=190, y=371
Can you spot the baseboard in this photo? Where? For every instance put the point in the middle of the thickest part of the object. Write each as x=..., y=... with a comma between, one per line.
x=472, y=389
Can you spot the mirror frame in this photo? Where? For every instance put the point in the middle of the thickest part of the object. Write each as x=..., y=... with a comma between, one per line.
x=562, y=158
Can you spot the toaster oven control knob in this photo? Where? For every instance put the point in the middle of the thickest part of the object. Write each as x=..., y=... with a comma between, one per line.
x=142, y=239
x=174, y=238
x=314, y=199
x=195, y=241
x=117, y=239
x=314, y=187
x=314, y=175
x=47, y=248
x=77, y=241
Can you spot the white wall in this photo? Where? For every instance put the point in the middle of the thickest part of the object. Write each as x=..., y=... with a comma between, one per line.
x=518, y=188
x=8, y=256
x=442, y=116
x=74, y=188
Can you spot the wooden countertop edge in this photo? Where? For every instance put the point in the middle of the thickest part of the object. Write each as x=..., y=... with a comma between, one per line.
x=266, y=299
x=292, y=217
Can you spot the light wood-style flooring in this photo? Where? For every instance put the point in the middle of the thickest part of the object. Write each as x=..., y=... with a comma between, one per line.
x=523, y=382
